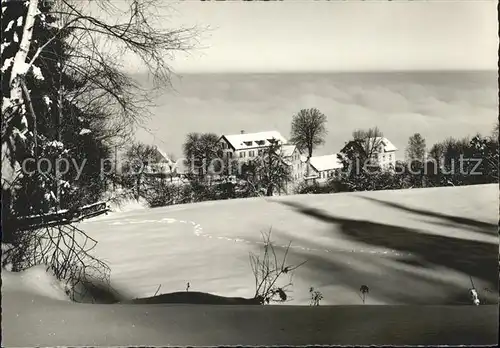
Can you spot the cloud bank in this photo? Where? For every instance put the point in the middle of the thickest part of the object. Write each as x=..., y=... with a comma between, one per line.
x=437, y=105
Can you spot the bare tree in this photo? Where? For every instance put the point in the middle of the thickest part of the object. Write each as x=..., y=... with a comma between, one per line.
x=308, y=130
x=98, y=41
x=200, y=149
x=359, y=157
x=370, y=140
x=138, y=157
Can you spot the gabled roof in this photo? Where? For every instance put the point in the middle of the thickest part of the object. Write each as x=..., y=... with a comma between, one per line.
x=369, y=144
x=287, y=150
x=327, y=162
x=253, y=140
x=388, y=146
x=163, y=155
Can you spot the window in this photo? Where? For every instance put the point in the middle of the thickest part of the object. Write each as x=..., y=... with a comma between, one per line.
x=248, y=143
x=242, y=154
x=259, y=152
x=260, y=142
x=251, y=153
x=223, y=145
x=230, y=154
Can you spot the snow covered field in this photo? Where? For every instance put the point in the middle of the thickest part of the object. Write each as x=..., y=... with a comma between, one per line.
x=408, y=247
x=413, y=247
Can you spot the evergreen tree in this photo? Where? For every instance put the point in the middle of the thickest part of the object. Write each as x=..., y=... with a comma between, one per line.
x=416, y=147
x=269, y=172
x=62, y=132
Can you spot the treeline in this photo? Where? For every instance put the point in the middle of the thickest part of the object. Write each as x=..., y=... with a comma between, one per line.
x=452, y=162
x=208, y=175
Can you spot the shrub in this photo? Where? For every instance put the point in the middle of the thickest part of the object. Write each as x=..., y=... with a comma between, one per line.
x=164, y=194
x=65, y=250
x=269, y=272
x=364, y=290
x=313, y=188
x=316, y=297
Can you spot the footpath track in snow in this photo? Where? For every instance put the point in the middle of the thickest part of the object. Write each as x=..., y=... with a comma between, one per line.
x=409, y=247
x=198, y=231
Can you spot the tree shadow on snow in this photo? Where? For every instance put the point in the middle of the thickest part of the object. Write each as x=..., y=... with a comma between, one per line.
x=389, y=284
x=98, y=292
x=478, y=226
x=474, y=258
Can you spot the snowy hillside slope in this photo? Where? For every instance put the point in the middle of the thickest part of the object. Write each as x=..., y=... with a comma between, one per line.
x=408, y=246
x=413, y=247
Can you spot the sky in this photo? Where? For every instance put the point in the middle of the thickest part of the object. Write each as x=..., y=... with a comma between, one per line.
x=336, y=35
x=405, y=67
x=436, y=104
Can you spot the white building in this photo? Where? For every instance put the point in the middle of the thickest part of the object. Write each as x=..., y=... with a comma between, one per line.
x=294, y=158
x=321, y=168
x=384, y=153
x=161, y=165
x=247, y=146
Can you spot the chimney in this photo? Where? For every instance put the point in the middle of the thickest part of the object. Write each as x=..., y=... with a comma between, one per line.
x=242, y=131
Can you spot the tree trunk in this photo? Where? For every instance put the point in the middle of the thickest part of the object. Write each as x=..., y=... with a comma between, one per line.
x=19, y=65
x=9, y=165
x=308, y=166
x=59, y=135
x=138, y=187
x=269, y=191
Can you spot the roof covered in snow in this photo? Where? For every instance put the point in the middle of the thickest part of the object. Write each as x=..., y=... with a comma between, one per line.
x=287, y=150
x=388, y=146
x=327, y=162
x=253, y=140
x=163, y=154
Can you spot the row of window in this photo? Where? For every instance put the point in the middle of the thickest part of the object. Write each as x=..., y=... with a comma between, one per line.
x=251, y=153
x=375, y=156
x=326, y=174
x=224, y=145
